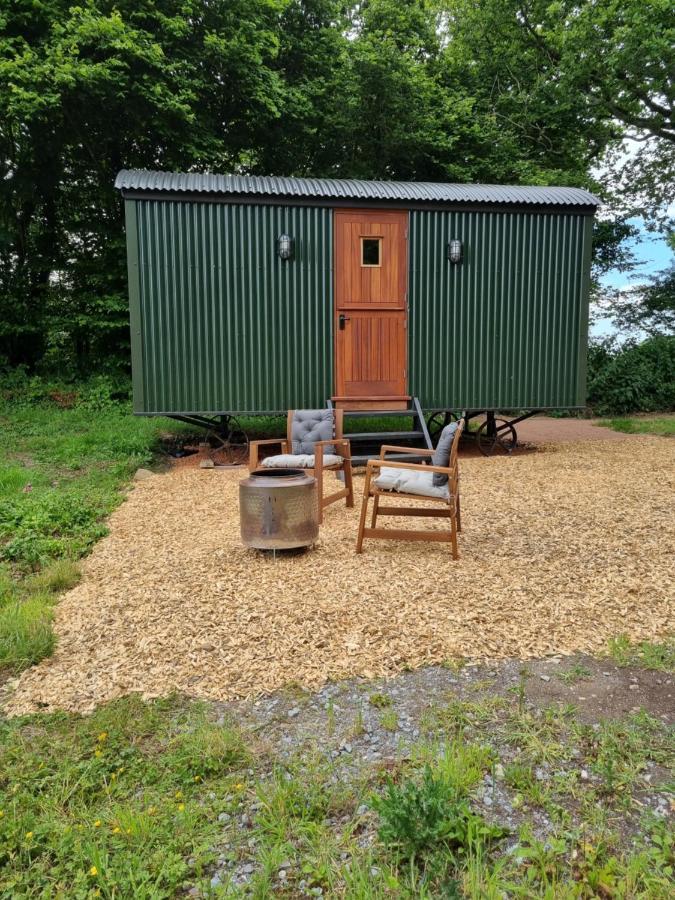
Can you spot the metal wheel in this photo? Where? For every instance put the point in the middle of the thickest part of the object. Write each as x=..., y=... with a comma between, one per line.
x=231, y=440
x=236, y=439
x=437, y=422
x=496, y=436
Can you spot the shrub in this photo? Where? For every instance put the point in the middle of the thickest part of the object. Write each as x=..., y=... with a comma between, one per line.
x=36, y=528
x=96, y=393
x=635, y=378
x=101, y=392
x=420, y=818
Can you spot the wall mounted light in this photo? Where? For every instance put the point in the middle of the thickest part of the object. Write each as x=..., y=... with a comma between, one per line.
x=285, y=246
x=455, y=251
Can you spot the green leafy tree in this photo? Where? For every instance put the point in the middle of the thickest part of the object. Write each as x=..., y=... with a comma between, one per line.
x=646, y=309
x=512, y=49
x=608, y=63
x=602, y=72
x=515, y=91
x=86, y=90
x=310, y=63
x=618, y=60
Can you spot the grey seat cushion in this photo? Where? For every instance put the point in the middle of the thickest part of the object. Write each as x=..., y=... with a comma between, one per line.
x=406, y=481
x=308, y=427
x=298, y=461
x=441, y=455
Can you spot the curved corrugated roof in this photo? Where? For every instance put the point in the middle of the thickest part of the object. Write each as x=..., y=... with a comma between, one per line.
x=351, y=189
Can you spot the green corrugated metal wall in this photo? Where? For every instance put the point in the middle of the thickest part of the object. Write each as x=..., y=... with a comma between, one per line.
x=507, y=327
x=219, y=322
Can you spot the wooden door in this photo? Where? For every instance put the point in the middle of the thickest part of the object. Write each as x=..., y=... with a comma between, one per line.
x=371, y=268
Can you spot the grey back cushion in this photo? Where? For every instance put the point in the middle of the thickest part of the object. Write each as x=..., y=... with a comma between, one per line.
x=310, y=426
x=441, y=455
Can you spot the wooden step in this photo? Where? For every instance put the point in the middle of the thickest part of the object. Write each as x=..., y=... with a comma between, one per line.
x=376, y=413
x=366, y=444
x=360, y=459
x=385, y=436
x=383, y=404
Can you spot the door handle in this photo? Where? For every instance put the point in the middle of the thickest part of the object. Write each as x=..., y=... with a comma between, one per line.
x=342, y=319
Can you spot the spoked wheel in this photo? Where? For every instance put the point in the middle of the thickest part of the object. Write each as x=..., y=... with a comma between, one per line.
x=496, y=436
x=437, y=422
x=237, y=439
x=233, y=441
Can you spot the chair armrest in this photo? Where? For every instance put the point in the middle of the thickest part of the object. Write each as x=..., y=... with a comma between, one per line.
x=346, y=447
x=414, y=467
x=268, y=441
x=413, y=451
x=336, y=442
x=253, y=450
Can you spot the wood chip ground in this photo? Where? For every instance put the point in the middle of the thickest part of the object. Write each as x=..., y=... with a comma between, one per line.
x=561, y=550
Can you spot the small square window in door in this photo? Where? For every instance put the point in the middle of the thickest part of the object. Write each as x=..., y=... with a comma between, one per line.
x=370, y=251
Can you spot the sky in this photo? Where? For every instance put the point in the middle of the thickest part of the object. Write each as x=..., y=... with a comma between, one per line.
x=651, y=251
x=652, y=254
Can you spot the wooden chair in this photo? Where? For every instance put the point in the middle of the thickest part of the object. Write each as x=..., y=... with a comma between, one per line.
x=317, y=462
x=387, y=477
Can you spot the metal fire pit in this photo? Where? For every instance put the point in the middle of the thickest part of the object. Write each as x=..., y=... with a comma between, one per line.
x=278, y=509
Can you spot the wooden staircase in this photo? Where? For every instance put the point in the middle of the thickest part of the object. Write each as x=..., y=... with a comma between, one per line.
x=366, y=444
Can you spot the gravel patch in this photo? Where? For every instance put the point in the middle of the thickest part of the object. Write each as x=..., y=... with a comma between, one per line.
x=324, y=723
x=346, y=718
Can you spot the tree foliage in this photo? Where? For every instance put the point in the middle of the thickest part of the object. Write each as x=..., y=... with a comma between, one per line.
x=86, y=90
x=647, y=308
x=514, y=91
x=632, y=378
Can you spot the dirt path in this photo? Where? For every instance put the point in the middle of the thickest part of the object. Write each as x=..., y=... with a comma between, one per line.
x=547, y=430
x=561, y=550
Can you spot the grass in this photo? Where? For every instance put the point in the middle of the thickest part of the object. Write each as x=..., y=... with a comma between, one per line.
x=377, y=423
x=114, y=803
x=149, y=799
x=576, y=672
x=661, y=425
x=358, y=726
x=62, y=472
x=458, y=716
x=380, y=701
x=389, y=720
x=645, y=654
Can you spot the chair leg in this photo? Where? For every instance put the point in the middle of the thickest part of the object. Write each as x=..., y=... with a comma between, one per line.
x=318, y=474
x=364, y=512
x=348, y=482
x=453, y=535
x=459, y=514
x=376, y=503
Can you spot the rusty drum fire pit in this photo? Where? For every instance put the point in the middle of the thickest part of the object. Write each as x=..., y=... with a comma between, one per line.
x=278, y=509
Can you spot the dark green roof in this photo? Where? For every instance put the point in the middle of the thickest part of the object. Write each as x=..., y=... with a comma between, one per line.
x=130, y=181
